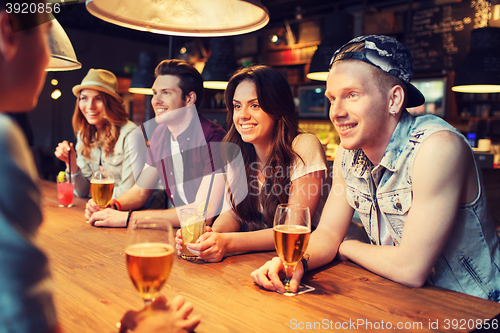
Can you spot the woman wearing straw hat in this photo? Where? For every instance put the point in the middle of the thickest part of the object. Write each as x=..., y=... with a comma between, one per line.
x=101, y=126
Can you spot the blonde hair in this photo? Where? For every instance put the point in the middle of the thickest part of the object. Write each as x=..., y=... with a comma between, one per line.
x=115, y=116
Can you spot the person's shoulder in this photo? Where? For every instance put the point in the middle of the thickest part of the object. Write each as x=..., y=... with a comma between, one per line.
x=306, y=142
x=211, y=130
x=431, y=123
x=127, y=128
x=5, y=124
x=306, y=139
x=446, y=139
x=447, y=145
x=9, y=131
x=308, y=147
x=160, y=132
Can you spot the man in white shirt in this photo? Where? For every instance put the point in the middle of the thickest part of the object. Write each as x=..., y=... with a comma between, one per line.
x=184, y=153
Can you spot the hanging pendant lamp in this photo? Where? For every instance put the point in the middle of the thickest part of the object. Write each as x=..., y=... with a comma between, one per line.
x=337, y=30
x=480, y=70
x=220, y=64
x=202, y=18
x=63, y=57
x=143, y=78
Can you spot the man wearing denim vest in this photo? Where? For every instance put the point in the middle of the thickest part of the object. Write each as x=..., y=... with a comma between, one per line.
x=413, y=182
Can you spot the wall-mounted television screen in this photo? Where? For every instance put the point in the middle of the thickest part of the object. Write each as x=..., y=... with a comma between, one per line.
x=312, y=102
x=434, y=91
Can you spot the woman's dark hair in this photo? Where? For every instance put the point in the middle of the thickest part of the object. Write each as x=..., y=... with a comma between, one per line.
x=275, y=98
x=190, y=78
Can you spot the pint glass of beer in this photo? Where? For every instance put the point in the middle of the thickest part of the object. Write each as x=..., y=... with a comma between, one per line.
x=292, y=228
x=102, y=185
x=149, y=255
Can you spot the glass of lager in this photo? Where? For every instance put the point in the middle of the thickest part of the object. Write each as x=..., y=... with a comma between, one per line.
x=149, y=255
x=102, y=185
x=292, y=228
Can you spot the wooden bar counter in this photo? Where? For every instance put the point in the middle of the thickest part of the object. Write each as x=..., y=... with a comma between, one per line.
x=93, y=290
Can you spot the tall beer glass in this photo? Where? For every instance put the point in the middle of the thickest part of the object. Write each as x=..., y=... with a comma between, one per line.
x=149, y=255
x=292, y=229
x=102, y=185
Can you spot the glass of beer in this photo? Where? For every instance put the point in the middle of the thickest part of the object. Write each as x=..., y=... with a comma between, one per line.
x=149, y=255
x=292, y=228
x=192, y=223
x=102, y=185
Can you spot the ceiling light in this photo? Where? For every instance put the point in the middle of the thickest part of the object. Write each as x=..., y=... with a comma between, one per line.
x=183, y=17
x=220, y=65
x=480, y=70
x=143, y=77
x=337, y=30
x=63, y=57
x=56, y=94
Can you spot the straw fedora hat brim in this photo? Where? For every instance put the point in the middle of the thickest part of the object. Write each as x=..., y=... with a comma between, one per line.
x=76, y=90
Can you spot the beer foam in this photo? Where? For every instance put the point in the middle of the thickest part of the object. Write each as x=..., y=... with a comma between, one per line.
x=292, y=229
x=149, y=250
x=102, y=181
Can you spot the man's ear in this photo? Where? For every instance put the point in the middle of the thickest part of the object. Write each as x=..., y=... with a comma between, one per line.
x=396, y=98
x=8, y=39
x=190, y=98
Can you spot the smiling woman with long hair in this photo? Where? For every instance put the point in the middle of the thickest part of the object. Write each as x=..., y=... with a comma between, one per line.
x=281, y=165
x=101, y=126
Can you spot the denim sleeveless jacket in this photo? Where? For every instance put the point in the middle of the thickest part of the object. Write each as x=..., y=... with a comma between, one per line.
x=470, y=260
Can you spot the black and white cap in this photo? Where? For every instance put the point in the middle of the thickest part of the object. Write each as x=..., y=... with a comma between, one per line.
x=387, y=54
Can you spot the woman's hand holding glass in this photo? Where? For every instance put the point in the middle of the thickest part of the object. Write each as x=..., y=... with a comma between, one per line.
x=270, y=276
x=90, y=208
x=62, y=153
x=211, y=246
x=292, y=229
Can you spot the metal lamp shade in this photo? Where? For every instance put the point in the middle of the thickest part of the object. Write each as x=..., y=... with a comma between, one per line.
x=183, y=17
x=480, y=71
x=143, y=77
x=337, y=30
x=220, y=65
x=63, y=57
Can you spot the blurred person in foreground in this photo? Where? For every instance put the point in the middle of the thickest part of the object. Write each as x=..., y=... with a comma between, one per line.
x=26, y=303
x=412, y=180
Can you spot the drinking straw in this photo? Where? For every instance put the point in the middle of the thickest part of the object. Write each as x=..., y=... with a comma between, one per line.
x=146, y=141
x=208, y=195
x=69, y=159
x=211, y=181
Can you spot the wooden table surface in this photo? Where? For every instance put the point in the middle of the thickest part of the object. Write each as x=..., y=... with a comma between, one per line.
x=93, y=290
